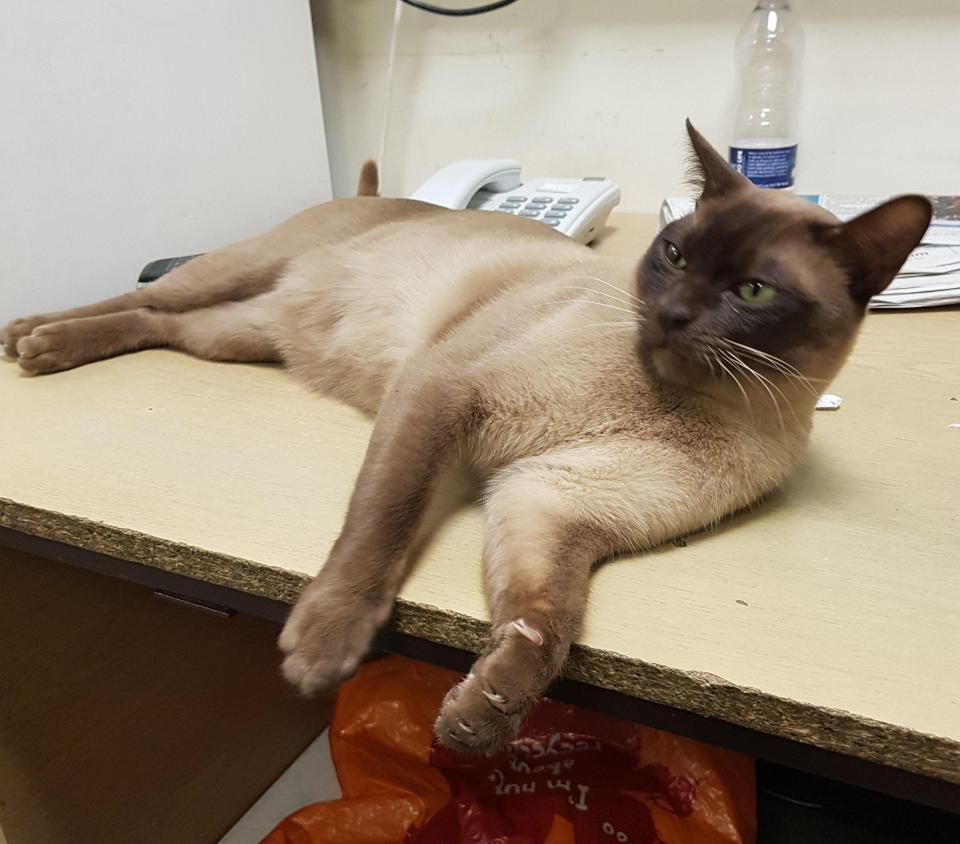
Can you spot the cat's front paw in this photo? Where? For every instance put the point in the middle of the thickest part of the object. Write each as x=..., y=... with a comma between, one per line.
x=487, y=709
x=479, y=718
x=13, y=332
x=328, y=633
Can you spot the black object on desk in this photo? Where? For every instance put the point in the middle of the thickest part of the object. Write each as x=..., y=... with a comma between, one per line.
x=155, y=269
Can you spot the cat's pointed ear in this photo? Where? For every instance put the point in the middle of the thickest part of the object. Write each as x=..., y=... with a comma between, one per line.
x=709, y=171
x=873, y=246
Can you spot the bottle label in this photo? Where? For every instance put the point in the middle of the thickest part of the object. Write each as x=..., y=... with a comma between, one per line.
x=766, y=168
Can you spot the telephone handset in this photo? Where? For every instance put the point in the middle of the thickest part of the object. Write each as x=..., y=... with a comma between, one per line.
x=576, y=207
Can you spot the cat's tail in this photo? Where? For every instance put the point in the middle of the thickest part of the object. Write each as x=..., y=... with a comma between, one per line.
x=369, y=181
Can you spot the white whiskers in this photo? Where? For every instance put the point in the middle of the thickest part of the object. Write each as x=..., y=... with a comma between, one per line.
x=778, y=364
x=767, y=385
x=598, y=304
x=619, y=290
x=634, y=324
x=736, y=381
x=616, y=299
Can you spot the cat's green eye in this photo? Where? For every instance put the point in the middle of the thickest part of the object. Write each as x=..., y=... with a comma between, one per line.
x=673, y=255
x=755, y=292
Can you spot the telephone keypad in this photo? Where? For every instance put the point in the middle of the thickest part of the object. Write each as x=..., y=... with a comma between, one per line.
x=549, y=202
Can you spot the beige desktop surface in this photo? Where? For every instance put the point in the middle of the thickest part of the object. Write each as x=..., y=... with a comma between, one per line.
x=829, y=615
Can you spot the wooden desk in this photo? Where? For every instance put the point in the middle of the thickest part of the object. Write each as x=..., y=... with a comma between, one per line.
x=822, y=630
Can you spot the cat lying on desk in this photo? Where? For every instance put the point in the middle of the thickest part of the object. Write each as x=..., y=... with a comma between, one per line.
x=609, y=406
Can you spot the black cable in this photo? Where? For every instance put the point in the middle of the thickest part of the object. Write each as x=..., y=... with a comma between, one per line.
x=458, y=13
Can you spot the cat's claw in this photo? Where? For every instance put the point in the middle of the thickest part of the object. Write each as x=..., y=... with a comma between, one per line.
x=527, y=631
x=494, y=698
x=452, y=736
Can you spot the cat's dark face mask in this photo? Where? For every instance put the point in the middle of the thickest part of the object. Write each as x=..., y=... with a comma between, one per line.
x=762, y=280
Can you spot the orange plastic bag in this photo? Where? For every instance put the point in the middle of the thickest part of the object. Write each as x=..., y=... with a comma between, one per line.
x=571, y=776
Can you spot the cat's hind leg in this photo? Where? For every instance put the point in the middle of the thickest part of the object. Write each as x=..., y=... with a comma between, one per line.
x=232, y=331
x=231, y=274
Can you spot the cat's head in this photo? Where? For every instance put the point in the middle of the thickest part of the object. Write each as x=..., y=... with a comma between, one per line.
x=764, y=280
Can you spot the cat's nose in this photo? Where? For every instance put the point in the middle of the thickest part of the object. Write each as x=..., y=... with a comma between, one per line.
x=674, y=316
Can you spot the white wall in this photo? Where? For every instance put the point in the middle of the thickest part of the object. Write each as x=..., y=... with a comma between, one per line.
x=134, y=130
x=574, y=87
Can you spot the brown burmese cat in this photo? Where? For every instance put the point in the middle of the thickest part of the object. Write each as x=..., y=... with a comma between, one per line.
x=609, y=407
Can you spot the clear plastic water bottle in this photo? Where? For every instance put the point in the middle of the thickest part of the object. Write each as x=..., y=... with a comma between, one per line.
x=769, y=51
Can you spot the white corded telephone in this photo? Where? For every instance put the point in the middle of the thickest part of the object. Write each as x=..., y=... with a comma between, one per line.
x=576, y=207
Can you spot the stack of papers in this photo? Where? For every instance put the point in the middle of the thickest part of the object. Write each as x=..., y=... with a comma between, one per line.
x=931, y=275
